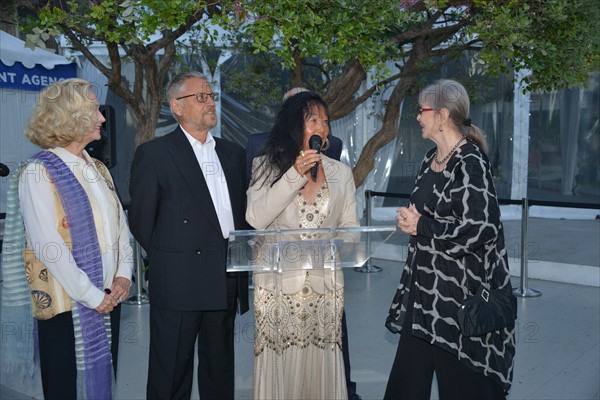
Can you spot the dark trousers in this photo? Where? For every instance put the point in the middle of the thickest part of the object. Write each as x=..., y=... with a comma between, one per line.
x=346, y=355
x=413, y=368
x=57, y=354
x=173, y=336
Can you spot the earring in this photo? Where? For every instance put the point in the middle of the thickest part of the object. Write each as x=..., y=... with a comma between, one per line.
x=441, y=129
x=325, y=144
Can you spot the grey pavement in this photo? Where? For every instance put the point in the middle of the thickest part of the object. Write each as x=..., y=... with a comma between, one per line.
x=557, y=240
x=558, y=334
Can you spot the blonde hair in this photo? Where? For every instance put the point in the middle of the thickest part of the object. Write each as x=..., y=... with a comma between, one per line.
x=63, y=114
x=451, y=95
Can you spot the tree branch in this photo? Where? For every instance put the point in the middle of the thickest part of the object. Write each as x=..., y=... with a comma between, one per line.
x=342, y=89
x=166, y=61
x=171, y=36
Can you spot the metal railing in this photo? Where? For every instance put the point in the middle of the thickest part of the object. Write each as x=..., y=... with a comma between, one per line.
x=368, y=267
x=139, y=297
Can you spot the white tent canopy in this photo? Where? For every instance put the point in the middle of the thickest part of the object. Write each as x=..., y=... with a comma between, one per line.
x=12, y=49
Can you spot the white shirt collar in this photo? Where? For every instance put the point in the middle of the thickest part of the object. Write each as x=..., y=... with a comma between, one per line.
x=209, y=139
x=69, y=157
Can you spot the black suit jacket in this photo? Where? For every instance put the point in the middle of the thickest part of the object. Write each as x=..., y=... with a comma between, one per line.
x=173, y=218
x=256, y=141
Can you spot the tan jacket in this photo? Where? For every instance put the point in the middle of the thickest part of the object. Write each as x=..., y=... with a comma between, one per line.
x=273, y=207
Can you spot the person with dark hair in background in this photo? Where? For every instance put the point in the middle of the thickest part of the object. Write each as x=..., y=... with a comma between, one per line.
x=306, y=351
x=255, y=148
x=457, y=245
x=187, y=193
x=77, y=260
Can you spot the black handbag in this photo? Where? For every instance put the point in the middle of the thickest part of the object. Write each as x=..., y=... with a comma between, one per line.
x=487, y=311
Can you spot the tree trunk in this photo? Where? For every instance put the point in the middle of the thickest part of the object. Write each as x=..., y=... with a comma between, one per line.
x=342, y=92
x=386, y=134
x=296, y=73
x=146, y=121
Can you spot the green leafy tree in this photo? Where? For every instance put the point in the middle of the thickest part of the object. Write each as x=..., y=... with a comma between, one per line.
x=557, y=41
x=345, y=43
x=142, y=32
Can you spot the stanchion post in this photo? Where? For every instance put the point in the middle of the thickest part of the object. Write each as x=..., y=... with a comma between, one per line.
x=523, y=290
x=139, y=297
x=368, y=267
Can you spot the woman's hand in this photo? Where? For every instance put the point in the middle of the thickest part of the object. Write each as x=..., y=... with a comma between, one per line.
x=306, y=160
x=407, y=219
x=120, y=288
x=108, y=304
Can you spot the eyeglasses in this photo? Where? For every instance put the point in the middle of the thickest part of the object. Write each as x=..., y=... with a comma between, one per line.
x=201, y=96
x=426, y=109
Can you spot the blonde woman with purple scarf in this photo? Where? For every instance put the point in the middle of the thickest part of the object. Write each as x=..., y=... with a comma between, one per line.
x=66, y=254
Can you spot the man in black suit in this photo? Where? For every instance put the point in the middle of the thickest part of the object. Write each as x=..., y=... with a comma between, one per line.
x=187, y=193
x=254, y=148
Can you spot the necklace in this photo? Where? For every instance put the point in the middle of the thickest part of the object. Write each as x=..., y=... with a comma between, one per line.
x=442, y=161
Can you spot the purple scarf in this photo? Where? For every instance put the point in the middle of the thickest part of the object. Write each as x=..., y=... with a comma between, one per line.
x=86, y=252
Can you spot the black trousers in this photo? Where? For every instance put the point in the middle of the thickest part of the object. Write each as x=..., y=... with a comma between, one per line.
x=346, y=355
x=413, y=368
x=57, y=354
x=173, y=336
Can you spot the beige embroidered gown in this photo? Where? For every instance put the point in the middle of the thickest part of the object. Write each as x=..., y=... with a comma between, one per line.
x=298, y=340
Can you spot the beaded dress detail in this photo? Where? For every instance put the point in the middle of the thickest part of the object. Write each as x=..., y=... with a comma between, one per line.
x=300, y=331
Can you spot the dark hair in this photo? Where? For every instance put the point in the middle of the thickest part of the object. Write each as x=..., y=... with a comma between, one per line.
x=287, y=136
x=451, y=95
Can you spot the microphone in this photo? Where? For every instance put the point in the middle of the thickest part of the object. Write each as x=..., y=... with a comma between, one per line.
x=4, y=170
x=314, y=143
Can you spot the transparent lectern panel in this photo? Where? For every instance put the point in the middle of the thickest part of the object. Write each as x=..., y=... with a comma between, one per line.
x=298, y=300
x=297, y=249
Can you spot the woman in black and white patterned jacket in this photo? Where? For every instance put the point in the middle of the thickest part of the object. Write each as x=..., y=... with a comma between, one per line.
x=457, y=243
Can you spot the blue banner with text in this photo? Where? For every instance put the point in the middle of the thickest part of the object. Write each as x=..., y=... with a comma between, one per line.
x=35, y=79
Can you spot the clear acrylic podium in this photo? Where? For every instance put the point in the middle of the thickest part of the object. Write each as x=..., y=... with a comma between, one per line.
x=298, y=303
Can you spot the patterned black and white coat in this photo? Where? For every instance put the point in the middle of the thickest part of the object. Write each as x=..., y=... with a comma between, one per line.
x=459, y=244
